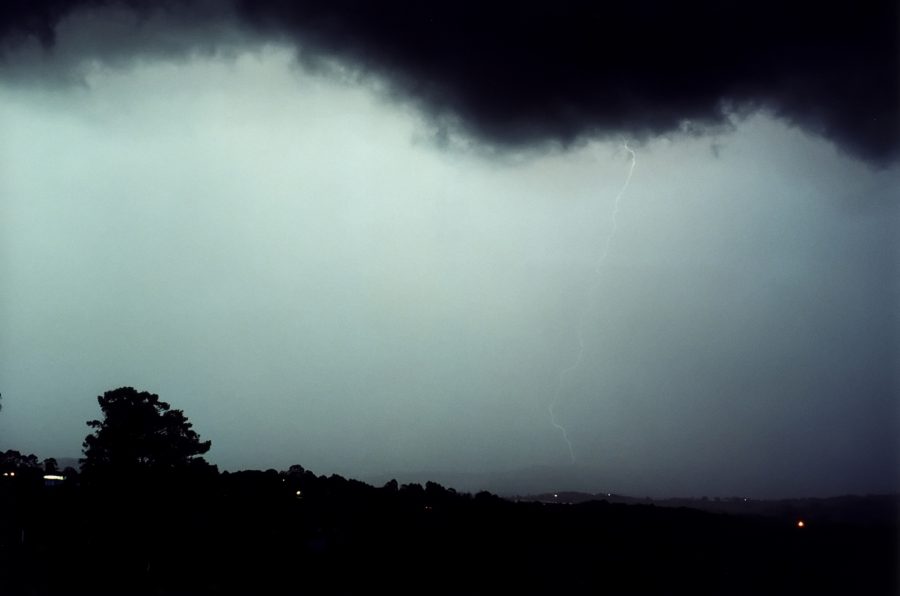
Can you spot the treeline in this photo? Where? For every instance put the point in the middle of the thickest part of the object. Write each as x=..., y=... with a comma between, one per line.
x=150, y=516
x=14, y=462
x=211, y=533
x=293, y=532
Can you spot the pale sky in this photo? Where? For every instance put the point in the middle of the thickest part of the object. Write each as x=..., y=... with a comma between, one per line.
x=317, y=273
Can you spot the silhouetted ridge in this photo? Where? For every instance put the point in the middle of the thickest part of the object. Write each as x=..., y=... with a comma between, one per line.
x=185, y=528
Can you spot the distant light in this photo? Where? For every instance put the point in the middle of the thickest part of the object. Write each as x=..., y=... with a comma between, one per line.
x=555, y=496
x=608, y=494
x=12, y=473
x=800, y=524
x=53, y=477
x=299, y=493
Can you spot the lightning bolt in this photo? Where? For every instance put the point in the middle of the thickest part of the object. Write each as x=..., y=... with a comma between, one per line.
x=598, y=269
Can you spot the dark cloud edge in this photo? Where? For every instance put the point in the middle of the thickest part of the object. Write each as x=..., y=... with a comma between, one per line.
x=527, y=75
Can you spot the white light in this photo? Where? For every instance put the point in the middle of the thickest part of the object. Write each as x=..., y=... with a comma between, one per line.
x=53, y=477
x=582, y=318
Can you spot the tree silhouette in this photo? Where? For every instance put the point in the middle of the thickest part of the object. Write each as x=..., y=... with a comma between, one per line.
x=139, y=433
x=12, y=460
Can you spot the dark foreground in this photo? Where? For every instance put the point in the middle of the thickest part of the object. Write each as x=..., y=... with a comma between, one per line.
x=295, y=533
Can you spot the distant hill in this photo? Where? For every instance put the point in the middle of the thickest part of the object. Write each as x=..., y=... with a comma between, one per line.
x=868, y=509
x=68, y=462
x=530, y=480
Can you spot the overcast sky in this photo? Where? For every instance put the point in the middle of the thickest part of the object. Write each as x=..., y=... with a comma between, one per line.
x=340, y=262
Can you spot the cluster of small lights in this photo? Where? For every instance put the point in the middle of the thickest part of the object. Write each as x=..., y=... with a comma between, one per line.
x=9, y=473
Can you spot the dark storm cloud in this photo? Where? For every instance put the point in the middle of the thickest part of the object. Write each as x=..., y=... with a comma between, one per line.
x=516, y=73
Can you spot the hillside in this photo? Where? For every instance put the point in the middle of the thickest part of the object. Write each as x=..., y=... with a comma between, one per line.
x=294, y=532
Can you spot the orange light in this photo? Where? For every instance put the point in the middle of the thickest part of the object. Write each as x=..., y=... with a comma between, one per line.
x=800, y=524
